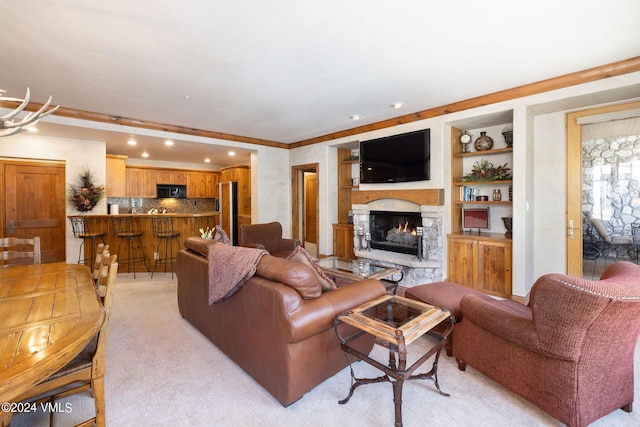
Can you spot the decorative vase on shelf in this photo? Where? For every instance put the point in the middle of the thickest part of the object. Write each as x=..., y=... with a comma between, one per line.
x=483, y=142
x=508, y=224
x=508, y=138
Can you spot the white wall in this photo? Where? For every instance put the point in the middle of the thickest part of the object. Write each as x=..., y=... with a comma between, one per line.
x=539, y=166
x=77, y=155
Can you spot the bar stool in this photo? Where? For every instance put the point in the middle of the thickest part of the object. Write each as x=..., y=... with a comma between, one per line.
x=163, y=231
x=81, y=230
x=122, y=227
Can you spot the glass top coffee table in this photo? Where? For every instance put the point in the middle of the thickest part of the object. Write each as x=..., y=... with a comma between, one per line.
x=356, y=270
x=397, y=321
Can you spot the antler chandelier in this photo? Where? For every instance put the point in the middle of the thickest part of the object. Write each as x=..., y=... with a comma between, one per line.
x=9, y=126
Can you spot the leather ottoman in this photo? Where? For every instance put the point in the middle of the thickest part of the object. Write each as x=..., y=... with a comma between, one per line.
x=442, y=294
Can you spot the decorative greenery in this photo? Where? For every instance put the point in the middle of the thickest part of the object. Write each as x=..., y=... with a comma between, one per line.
x=484, y=170
x=208, y=233
x=84, y=195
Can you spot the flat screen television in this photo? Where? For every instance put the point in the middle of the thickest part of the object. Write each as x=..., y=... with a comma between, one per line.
x=475, y=218
x=397, y=158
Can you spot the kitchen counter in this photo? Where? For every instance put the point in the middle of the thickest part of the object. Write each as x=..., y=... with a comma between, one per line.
x=187, y=224
x=174, y=215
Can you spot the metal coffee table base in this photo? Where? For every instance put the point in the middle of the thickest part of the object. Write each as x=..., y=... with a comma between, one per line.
x=395, y=373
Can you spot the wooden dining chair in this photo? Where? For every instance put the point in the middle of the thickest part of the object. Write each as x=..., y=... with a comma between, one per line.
x=99, y=269
x=86, y=371
x=14, y=252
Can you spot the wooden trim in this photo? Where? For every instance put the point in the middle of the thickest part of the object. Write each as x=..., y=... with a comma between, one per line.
x=592, y=74
x=579, y=77
x=574, y=181
x=430, y=196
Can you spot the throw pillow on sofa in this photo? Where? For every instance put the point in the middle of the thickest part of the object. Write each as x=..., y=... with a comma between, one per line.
x=301, y=255
x=290, y=273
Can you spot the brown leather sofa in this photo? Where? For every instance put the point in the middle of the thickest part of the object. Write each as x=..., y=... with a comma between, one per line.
x=267, y=236
x=285, y=342
x=570, y=351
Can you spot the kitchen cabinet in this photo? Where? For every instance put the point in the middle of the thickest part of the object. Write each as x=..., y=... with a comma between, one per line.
x=116, y=184
x=169, y=176
x=141, y=182
x=481, y=262
x=202, y=185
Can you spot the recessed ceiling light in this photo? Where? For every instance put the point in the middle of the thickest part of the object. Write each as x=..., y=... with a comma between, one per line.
x=132, y=142
x=232, y=153
x=168, y=143
x=397, y=105
x=145, y=154
x=187, y=96
x=207, y=160
x=356, y=117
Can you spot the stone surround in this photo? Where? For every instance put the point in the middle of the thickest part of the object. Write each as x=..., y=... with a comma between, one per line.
x=416, y=272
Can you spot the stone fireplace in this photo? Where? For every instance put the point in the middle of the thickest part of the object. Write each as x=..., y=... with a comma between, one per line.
x=395, y=231
x=402, y=229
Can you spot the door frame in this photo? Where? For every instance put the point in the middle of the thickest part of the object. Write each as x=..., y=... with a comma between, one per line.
x=574, y=180
x=297, y=198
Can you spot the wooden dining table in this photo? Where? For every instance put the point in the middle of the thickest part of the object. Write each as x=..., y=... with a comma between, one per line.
x=48, y=314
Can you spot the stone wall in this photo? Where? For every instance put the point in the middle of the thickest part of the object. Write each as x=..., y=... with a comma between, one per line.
x=611, y=184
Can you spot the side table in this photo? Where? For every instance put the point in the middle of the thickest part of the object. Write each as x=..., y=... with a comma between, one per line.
x=397, y=321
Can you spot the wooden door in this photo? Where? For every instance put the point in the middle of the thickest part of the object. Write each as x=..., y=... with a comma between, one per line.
x=494, y=268
x=462, y=261
x=574, y=183
x=34, y=205
x=310, y=217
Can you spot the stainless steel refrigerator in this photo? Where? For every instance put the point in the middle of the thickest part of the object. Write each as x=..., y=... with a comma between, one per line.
x=228, y=195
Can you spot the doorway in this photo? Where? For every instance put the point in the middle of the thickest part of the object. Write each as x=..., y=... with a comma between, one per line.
x=305, y=206
x=575, y=222
x=34, y=205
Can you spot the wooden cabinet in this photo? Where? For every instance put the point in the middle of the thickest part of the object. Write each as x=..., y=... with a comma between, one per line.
x=343, y=241
x=141, y=182
x=169, y=176
x=242, y=175
x=481, y=262
x=116, y=185
x=202, y=185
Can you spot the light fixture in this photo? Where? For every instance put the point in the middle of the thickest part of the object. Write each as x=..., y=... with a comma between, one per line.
x=168, y=143
x=207, y=160
x=145, y=154
x=132, y=142
x=356, y=117
x=397, y=105
x=10, y=127
x=232, y=153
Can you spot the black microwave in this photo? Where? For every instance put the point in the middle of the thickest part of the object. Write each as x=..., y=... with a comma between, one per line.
x=164, y=191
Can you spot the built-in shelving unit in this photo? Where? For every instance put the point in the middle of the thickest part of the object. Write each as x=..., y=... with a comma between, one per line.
x=481, y=260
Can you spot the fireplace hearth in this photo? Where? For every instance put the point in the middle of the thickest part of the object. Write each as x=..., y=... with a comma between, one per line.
x=395, y=231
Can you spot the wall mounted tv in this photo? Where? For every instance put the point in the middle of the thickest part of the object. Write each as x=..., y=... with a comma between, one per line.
x=397, y=158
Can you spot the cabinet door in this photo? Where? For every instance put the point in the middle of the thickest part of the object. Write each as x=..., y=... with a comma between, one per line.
x=116, y=176
x=141, y=182
x=168, y=176
x=494, y=268
x=343, y=241
x=462, y=262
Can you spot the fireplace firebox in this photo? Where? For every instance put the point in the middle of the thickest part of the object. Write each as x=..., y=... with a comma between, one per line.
x=395, y=231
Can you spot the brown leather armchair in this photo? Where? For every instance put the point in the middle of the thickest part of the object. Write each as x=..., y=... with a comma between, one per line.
x=569, y=351
x=267, y=236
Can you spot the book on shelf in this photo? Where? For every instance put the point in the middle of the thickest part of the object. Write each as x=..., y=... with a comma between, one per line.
x=468, y=194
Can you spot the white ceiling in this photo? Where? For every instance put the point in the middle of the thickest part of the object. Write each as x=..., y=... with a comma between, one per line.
x=290, y=70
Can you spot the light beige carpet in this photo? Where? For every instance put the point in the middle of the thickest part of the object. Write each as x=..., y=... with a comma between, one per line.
x=160, y=371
